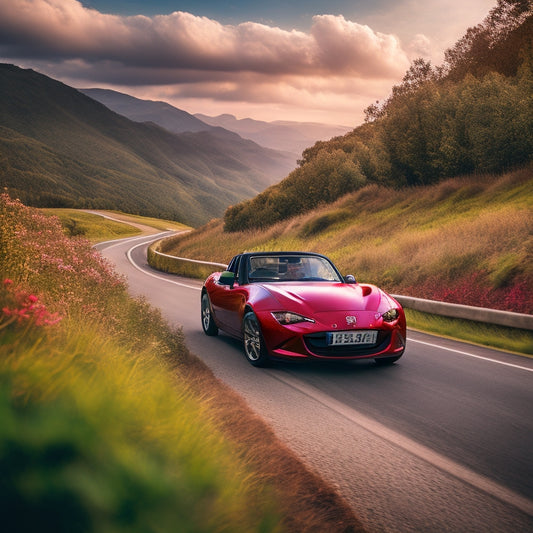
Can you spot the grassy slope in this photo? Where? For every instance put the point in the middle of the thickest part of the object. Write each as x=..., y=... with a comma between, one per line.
x=109, y=424
x=461, y=240
x=97, y=228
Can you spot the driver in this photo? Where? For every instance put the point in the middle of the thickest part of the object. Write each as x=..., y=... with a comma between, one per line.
x=295, y=271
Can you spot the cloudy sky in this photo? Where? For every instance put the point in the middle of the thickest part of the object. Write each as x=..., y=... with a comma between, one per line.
x=304, y=60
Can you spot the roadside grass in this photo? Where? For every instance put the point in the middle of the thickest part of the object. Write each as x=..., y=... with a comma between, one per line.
x=156, y=223
x=508, y=339
x=110, y=424
x=111, y=443
x=78, y=223
x=466, y=240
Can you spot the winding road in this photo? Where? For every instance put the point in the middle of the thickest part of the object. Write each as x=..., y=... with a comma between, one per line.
x=440, y=441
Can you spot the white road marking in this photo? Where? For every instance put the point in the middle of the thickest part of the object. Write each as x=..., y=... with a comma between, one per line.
x=472, y=355
x=441, y=462
x=130, y=259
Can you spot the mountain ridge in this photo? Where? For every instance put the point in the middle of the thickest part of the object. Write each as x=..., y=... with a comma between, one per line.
x=171, y=118
x=60, y=148
x=289, y=137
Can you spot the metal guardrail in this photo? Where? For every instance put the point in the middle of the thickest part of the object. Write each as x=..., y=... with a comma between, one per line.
x=222, y=265
x=466, y=312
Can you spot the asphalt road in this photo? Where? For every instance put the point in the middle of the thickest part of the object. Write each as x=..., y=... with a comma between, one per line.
x=440, y=441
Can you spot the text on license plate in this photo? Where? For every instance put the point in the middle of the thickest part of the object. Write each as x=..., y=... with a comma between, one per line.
x=352, y=337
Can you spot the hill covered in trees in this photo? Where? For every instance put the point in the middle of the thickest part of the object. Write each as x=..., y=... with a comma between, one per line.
x=60, y=148
x=473, y=114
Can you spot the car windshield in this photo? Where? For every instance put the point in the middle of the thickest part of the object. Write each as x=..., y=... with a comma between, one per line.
x=291, y=268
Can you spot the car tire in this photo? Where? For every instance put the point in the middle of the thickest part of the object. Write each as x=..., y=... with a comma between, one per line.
x=208, y=323
x=386, y=361
x=254, y=345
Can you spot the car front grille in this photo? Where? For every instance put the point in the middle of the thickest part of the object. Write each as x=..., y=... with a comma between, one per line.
x=317, y=344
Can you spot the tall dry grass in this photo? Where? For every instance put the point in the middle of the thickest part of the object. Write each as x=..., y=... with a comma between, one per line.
x=466, y=240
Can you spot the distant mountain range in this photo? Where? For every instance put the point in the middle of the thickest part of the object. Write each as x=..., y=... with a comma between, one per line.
x=278, y=135
x=285, y=136
x=59, y=147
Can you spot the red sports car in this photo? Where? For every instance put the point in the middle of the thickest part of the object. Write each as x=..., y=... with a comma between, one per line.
x=297, y=306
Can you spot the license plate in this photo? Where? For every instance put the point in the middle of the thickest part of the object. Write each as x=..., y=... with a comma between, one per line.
x=352, y=337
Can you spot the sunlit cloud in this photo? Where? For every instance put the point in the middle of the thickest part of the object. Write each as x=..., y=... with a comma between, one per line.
x=337, y=62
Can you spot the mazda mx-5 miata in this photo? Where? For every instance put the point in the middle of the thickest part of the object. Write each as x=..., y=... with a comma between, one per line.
x=297, y=306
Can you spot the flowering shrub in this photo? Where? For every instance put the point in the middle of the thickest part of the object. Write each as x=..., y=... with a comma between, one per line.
x=474, y=289
x=52, y=276
x=72, y=277
x=19, y=307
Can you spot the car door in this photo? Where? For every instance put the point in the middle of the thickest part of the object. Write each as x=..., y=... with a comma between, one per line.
x=228, y=303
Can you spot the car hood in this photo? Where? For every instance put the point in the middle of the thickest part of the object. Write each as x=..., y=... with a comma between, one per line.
x=310, y=297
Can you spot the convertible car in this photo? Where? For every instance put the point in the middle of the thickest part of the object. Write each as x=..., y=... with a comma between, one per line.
x=297, y=306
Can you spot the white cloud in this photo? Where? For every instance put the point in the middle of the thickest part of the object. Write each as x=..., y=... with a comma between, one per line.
x=350, y=47
x=332, y=65
x=65, y=29
x=420, y=46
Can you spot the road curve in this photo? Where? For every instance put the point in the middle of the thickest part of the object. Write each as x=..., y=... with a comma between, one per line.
x=441, y=441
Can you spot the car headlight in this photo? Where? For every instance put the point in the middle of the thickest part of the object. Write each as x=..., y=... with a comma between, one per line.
x=285, y=318
x=391, y=315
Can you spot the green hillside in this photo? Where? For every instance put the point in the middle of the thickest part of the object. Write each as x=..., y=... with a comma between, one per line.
x=432, y=197
x=473, y=114
x=59, y=148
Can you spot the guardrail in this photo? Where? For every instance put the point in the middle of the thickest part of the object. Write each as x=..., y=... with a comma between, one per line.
x=181, y=266
x=178, y=265
x=208, y=263
x=468, y=312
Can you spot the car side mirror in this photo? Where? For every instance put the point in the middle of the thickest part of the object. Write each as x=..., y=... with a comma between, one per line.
x=227, y=278
x=349, y=279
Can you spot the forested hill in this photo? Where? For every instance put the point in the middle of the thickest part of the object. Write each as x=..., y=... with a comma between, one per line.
x=473, y=114
x=60, y=148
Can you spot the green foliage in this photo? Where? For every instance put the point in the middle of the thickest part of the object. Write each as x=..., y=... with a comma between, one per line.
x=474, y=114
x=492, y=45
x=100, y=430
x=332, y=174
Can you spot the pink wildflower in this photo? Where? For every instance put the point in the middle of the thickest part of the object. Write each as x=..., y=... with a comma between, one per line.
x=23, y=307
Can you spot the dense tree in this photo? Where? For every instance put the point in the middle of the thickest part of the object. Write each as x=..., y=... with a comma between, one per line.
x=490, y=46
x=473, y=114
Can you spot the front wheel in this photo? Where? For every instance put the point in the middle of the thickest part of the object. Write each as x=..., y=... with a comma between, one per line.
x=254, y=345
x=208, y=324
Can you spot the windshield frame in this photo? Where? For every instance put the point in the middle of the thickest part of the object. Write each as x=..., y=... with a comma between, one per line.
x=279, y=267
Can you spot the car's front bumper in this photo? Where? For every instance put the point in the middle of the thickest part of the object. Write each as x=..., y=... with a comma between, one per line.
x=314, y=346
